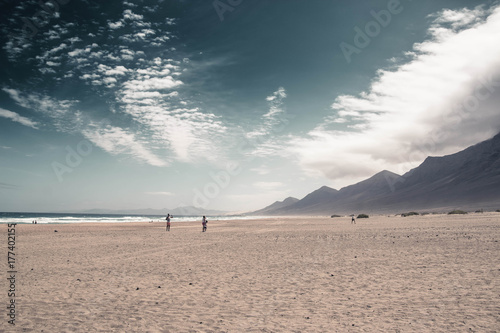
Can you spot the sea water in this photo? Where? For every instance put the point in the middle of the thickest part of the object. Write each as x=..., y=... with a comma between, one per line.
x=105, y=218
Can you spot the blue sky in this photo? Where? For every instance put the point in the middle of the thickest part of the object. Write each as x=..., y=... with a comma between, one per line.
x=232, y=105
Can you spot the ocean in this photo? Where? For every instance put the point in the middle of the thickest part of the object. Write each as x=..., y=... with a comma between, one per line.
x=104, y=218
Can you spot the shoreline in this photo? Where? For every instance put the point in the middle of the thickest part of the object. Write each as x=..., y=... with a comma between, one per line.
x=261, y=218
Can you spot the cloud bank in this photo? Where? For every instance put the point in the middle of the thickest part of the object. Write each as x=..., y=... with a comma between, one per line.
x=441, y=98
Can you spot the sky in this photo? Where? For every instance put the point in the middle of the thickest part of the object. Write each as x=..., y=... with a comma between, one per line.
x=234, y=104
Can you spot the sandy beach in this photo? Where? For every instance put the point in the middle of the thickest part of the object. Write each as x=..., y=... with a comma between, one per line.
x=433, y=273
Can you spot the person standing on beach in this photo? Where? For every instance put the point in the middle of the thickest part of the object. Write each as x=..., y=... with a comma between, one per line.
x=204, y=223
x=168, y=222
x=353, y=220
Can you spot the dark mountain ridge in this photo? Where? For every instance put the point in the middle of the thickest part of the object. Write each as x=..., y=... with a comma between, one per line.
x=469, y=179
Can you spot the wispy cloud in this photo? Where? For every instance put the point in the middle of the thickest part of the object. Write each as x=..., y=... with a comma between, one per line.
x=167, y=194
x=458, y=18
x=151, y=118
x=18, y=118
x=67, y=118
x=262, y=170
x=272, y=117
x=116, y=141
x=440, y=100
x=8, y=186
x=64, y=116
x=265, y=139
x=149, y=97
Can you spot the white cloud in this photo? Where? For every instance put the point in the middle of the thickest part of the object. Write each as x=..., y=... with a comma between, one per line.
x=110, y=81
x=434, y=104
x=163, y=125
x=146, y=93
x=155, y=83
x=279, y=94
x=52, y=35
x=129, y=15
x=61, y=47
x=89, y=76
x=129, y=4
x=127, y=54
x=264, y=138
x=130, y=95
x=78, y=52
x=115, y=25
x=18, y=118
x=96, y=55
x=47, y=70
x=115, y=141
x=53, y=64
x=40, y=103
x=188, y=133
x=459, y=18
x=276, y=108
x=144, y=90
x=15, y=95
x=74, y=40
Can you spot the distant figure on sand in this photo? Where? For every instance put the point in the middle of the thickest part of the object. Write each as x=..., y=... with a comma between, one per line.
x=353, y=220
x=168, y=222
x=204, y=223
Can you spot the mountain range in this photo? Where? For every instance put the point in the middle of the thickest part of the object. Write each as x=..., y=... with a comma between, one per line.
x=469, y=180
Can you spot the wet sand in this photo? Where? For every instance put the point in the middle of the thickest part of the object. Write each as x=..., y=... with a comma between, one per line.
x=433, y=273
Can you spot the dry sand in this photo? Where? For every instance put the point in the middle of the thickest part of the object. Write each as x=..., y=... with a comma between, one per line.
x=383, y=274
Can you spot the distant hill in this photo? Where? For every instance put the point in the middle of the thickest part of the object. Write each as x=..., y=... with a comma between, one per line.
x=469, y=179
x=276, y=206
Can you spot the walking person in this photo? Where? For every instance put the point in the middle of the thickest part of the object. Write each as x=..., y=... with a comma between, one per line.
x=168, y=222
x=353, y=220
x=204, y=223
